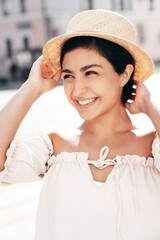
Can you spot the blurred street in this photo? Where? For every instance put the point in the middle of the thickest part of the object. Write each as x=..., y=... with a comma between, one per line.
x=18, y=203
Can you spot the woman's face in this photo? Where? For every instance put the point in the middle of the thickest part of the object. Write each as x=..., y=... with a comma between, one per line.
x=90, y=82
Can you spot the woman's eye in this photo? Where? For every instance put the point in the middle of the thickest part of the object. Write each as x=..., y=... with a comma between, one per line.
x=91, y=73
x=67, y=76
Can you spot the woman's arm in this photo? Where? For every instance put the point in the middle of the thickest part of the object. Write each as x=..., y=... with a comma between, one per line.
x=11, y=116
x=143, y=104
x=154, y=114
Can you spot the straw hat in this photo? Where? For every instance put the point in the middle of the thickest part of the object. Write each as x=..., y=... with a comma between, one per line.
x=103, y=24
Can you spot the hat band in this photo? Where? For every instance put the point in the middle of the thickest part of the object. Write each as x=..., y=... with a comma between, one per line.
x=99, y=34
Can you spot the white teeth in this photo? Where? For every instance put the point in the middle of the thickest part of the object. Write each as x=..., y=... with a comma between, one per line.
x=86, y=101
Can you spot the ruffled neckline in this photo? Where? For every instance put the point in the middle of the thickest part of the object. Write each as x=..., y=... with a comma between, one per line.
x=119, y=159
x=84, y=157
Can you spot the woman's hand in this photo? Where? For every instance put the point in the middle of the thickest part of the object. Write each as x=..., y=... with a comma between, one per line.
x=40, y=77
x=144, y=104
x=141, y=102
x=13, y=113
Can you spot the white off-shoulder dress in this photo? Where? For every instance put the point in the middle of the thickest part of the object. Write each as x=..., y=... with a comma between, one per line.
x=72, y=206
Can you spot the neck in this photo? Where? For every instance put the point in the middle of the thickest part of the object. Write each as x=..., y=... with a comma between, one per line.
x=111, y=123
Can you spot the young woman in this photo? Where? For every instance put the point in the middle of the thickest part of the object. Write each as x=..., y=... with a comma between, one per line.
x=104, y=182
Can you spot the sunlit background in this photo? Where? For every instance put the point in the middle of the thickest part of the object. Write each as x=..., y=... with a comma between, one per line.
x=25, y=26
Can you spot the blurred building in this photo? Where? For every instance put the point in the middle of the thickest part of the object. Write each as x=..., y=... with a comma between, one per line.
x=26, y=25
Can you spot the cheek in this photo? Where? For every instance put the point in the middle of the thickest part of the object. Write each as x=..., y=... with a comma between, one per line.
x=68, y=91
x=111, y=89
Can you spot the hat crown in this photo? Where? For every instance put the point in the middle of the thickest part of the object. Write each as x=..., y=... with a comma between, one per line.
x=103, y=22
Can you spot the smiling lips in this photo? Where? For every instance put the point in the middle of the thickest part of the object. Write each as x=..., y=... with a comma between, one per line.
x=87, y=102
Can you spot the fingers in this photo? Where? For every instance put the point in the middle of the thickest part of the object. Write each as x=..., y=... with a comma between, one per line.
x=132, y=97
x=131, y=108
x=47, y=72
x=127, y=105
x=39, y=59
x=57, y=76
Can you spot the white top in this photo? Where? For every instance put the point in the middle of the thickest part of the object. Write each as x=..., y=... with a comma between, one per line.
x=73, y=207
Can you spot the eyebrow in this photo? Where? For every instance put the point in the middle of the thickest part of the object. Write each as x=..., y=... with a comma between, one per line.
x=83, y=68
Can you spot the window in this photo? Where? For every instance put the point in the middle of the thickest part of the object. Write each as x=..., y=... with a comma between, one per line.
x=86, y=4
x=5, y=7
x=26, y=43
x=141, y=34
x=90, y=4
x=151, y=5
x=54, y=32
x=121, y=5
x=22, y=6
x=9, y=48
x=113, y=5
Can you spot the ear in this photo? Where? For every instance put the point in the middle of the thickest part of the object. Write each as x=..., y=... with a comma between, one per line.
x=125, y=76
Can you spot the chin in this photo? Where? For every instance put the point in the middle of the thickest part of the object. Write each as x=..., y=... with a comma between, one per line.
x=87, y=116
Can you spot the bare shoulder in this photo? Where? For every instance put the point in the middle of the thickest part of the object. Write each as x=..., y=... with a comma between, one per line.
x=145, y=135
x=143, y=142
x=148, y=138
x=65, y=140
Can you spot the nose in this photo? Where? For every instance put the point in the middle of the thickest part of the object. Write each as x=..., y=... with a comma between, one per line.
x=79, y=87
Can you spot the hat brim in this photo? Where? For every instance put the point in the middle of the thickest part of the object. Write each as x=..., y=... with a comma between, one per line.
x=144, y=65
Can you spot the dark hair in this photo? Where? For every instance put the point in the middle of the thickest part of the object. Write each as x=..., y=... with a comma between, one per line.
x=118, y=56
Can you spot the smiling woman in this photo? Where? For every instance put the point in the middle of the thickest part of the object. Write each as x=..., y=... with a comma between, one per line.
x=115, y=54
x=102, y=69
x=92, y=86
